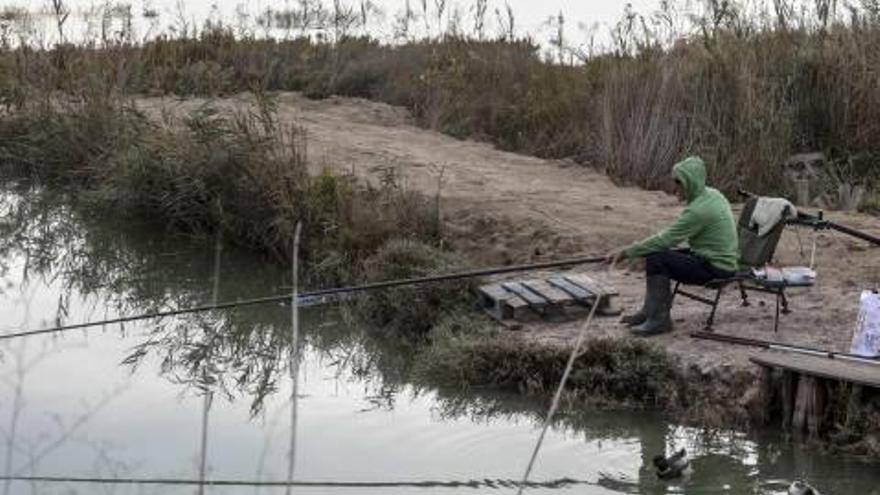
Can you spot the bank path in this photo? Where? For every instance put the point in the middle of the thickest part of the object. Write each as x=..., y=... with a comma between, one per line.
x=502, y=207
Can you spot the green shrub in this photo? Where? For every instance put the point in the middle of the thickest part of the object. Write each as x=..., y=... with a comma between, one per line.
x=412, y=311
x=626, y=370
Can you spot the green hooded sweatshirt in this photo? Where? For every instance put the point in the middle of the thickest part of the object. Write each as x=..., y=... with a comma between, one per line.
x=706, y=223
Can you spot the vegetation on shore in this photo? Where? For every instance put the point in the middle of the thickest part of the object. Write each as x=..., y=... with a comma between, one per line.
x=410, y=313
x=242, y=175
x=744, y=88
x=626, y=373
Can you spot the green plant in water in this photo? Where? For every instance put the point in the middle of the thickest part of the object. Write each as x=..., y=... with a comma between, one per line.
x=411, y=312
x=607, y=369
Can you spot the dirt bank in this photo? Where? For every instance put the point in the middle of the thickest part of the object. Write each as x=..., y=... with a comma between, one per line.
x=502, y=207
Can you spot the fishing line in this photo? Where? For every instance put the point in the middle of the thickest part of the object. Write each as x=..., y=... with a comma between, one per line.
x=556, y=397
x=294, y=355
x=313, y=295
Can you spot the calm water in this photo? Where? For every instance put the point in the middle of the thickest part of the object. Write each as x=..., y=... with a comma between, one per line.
x=126, y=402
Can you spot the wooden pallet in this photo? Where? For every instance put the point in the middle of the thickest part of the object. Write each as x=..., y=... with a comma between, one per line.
x=559, y=296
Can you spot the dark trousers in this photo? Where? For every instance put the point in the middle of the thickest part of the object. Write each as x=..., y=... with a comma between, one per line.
x=684, y=266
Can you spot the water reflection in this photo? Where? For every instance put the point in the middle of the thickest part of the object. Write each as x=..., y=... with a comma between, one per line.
x=69, y=409
x=123, y=270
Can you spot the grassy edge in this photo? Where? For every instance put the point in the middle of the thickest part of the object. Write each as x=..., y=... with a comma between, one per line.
x=468, y=353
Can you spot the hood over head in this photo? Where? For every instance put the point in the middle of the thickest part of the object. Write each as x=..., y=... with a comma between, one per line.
x=691, y=172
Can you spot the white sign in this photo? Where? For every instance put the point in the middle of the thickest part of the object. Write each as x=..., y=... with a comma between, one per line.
x=866, y=337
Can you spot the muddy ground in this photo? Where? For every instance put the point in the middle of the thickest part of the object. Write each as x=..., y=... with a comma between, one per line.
x=502, y=207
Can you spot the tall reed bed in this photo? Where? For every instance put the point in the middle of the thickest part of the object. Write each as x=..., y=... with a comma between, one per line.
x=744, y=88
x=242, y=174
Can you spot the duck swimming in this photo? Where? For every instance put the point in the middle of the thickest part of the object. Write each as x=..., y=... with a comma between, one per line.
x=802, y=488
x=673, y=466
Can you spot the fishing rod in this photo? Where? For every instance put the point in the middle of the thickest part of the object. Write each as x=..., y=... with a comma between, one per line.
x=475, y=483
x=818, y=222
x=764, y=344
x=316, y=295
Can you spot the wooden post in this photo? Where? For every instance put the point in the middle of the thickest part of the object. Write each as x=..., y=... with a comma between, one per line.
x=765, y=399
x=789, y=382
x=807, y=383
x=815, y=407
x=801, y=399
x=853, y=405
x=809, y=405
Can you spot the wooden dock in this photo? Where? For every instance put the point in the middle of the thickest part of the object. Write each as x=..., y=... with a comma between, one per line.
x=800, y=387
x=557, y=297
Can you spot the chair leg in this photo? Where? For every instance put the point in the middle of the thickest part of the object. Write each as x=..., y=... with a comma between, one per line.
x=785, y=309
x=674, y=293
x=711, y=319
x=776, y=318
x=744, y=295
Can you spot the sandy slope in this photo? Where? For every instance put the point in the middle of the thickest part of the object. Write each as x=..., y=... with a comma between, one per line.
x=502, y=207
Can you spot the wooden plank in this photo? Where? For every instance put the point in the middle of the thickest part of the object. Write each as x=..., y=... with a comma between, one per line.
x=822, y=367
x=495, y=292
x=575, y=291
x=585, y=282
x=500, y=303
x=603, y=292
x=606, y=287
x=534, y=300
x=515, y=307
x=548, y=292
x=492, y=301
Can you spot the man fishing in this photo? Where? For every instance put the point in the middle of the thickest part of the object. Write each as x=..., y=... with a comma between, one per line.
x=709, y=229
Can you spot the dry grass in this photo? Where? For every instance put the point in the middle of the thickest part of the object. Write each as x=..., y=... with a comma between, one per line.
x=745, y=91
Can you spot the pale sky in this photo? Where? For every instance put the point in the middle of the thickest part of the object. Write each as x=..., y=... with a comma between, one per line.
x=531, y=12
x=531, y=16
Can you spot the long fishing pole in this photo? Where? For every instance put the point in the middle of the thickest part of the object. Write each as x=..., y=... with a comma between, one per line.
x=818, y=222
x=475, y=483
x=765, y=344
x=315, y=294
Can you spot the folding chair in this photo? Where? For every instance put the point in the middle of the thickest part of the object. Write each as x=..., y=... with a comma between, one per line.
x=755, y=252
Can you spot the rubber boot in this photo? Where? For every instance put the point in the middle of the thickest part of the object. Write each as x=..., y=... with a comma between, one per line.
x=636, y=318
x=641, y=315
x=657, y=307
